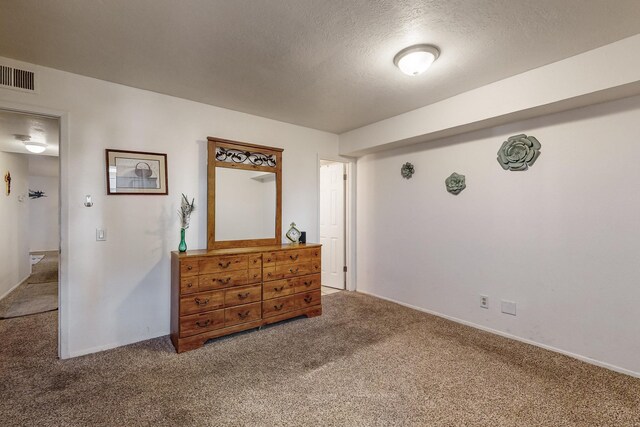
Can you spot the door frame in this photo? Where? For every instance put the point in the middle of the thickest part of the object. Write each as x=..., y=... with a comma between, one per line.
x=350, y=215
x=63, y=215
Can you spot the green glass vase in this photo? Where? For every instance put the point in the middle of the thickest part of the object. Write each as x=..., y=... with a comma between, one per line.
x=183, y=244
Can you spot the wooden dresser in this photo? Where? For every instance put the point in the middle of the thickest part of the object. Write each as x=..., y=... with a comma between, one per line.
x=222, y=291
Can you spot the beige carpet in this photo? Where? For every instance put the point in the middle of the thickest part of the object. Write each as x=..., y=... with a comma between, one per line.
x=365, y=362
x=38, y=294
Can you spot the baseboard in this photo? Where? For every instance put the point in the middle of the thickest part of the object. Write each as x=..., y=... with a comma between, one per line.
x=13, y=288
x=513, y=337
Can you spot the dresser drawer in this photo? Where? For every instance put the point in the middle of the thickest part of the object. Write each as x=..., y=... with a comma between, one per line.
x=278, y=306
x=225, y=263
x=307, y=299
x=255, y=275
x=307, y=283
x=198, y=323
x=200, y=302
x=255, y=261
x=268, y=258
x=297, y=256
x=278, y=288
x=269, y=273
x=242, y=314
x=188, y=267
x=237, y=296
x=293, y=270
x=189, y=285
x=222, y=280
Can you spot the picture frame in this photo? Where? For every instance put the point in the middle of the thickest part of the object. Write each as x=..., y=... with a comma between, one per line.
x=136, y=173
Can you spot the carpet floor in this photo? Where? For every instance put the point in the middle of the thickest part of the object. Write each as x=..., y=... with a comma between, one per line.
x=38, y=294
x=364, y=362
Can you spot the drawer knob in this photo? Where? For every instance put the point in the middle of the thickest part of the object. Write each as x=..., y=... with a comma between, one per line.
x=307, y=284
x=278, y=307
x=204, y=324
x=189, y=285
x=224, y=265
x=255, y=261
x=202, y=302
x=291, y=270
x=243, y=315
x=189, y=267
x=308, y=299
x=279, y=289
x=294, y=258
x=224, y=282
x=243, y=296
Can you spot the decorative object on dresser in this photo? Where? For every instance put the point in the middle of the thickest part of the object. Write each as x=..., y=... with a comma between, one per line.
x=185, y=211
x=136, y=172
x=455, y=183
x=293, y=234
x=407, y=170
x=246, y=278
x=519, y=152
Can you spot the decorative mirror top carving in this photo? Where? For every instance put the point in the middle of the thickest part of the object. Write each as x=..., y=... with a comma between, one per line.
x=232, y=155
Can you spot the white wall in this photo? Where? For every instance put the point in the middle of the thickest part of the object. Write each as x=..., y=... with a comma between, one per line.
x=44, y=228
x=15, y=265
x=118, y=290
x=561, y=239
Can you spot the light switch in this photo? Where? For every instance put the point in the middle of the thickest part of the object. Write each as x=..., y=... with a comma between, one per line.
x=101, y=234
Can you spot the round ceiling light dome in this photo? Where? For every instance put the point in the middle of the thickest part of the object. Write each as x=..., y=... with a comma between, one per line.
x=416, y=59
x=35, y=147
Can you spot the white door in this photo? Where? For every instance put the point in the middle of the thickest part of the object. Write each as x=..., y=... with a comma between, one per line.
x=332, y=220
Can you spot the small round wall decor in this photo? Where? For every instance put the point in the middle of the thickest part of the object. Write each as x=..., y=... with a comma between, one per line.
x=455, y=183
x=407, y=170
x=519, y=152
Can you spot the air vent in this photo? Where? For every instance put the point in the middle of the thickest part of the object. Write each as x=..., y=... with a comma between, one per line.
x=18, y=79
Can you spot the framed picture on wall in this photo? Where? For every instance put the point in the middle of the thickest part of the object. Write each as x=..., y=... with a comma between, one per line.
x=136, y=172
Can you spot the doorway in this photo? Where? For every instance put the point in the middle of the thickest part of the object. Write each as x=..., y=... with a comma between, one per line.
x=29, y=216
x=333, y=224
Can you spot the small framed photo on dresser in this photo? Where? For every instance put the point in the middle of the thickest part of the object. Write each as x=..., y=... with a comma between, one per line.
x=136, y=172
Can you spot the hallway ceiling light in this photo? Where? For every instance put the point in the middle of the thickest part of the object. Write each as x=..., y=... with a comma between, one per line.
x=35, y=147
x=416, y=59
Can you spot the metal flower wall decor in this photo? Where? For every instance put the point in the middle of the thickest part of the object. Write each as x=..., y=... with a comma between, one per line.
x=407, y=170
x=519, y=152
x=455, y=183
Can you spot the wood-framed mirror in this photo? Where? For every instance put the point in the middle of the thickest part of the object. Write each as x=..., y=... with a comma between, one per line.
x=244, y=194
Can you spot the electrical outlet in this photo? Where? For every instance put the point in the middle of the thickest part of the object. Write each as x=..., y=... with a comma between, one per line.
x=484, y=301
x=101, y=235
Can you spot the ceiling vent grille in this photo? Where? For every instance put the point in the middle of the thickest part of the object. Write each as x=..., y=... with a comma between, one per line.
x=18, y=79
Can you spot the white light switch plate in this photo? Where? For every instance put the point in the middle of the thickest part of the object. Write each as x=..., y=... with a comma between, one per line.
x=509, y=307
x=101, y=235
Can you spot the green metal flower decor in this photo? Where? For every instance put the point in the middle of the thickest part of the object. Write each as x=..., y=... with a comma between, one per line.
x=455, y=183
x=519, y=152
x=407, y=170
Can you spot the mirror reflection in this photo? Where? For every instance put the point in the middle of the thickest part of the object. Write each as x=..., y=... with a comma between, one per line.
x=245, y=204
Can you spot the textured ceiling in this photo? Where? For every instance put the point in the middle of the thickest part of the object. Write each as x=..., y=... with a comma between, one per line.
x=325, y=64
x=39, y=128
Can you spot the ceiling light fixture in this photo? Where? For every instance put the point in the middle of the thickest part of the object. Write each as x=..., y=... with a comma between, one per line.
x=416, y=59
x=35, y=147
